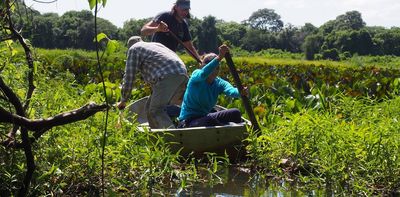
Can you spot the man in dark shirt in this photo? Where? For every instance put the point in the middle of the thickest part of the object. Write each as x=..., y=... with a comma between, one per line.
x=175, y=22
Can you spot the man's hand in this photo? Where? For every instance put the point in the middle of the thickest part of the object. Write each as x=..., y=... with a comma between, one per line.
x=162, y=27
x=121, y=105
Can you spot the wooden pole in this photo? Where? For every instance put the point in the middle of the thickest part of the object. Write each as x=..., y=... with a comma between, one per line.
x=245, y=99
x=188, y=50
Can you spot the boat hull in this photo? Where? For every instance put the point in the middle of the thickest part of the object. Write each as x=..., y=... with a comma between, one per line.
x=226, y=139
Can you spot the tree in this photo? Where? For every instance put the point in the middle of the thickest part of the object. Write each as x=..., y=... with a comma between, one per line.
x=265, y=19
x=331, y=54
x=256, y=40
x=231, y=32
x=299, y=36
x=42, y=32
x=308, y=29
x=287, y=39
x=13, y=110
x=312, y=45
x=72, y=30
x=350, y=21
x=389, y=41
x=105, y=26
x=346, y=22
x=208, y=40
x=132, y=28
x=363, y=42
x=194, y=29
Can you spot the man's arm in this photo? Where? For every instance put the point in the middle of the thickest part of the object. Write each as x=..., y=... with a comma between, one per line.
x=153, y=27
x=129, y=77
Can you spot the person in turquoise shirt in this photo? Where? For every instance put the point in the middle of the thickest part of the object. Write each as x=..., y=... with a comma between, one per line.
x=202, y=92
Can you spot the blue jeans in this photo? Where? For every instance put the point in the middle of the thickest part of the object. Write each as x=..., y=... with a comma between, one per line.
x=214, y=119
x=168, y=90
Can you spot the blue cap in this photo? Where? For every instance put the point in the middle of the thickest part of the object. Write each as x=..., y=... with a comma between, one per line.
x=184, y=4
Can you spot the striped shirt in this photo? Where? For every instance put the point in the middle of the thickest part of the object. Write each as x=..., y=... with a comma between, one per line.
x=154, y=61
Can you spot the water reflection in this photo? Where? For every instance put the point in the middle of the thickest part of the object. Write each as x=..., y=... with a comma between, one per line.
x=238, y=182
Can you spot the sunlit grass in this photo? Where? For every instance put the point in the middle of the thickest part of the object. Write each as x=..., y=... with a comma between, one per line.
x=323, y=123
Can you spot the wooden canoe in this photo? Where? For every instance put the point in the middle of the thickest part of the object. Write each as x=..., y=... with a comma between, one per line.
x=197, y=140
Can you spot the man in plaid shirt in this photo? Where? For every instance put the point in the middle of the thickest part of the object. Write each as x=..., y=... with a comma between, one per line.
x=163, y=70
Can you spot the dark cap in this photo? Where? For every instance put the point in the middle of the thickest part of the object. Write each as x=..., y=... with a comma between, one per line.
x=184, y=4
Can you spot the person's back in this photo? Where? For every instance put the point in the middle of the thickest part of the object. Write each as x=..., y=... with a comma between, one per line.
x=154, y=60
x=163, y=70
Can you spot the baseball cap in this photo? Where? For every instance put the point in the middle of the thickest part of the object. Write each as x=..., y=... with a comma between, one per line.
x=134, y=39
x=184, y=4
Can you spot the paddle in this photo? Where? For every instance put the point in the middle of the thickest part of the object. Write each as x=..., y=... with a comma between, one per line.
x=188, y=50
x=245, y=99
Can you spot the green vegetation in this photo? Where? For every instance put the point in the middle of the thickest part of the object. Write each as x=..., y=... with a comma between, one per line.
x=323, y=123
x=352, y=147
x=338, y=39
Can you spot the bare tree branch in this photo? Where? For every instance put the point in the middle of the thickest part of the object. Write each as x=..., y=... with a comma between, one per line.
x=40, y=125
x=19, y=119
x=12, y=97
x=5, y=39
x=30, y=161
x=28, y=55
x=14, y=100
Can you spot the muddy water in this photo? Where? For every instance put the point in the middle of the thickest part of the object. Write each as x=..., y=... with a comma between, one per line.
x=235, y=182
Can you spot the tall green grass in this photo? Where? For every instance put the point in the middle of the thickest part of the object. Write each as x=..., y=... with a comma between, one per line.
x=353, y=147
x=323, y=124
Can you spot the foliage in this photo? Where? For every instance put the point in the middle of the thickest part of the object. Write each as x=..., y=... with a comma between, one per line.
x=264, y=29
x=294, y=100
x=312, y=45
x=132, y=27
x=138, y=163
x=266, y=20
x=74, y=29
x=331, y=54
x=256, y=40
x=231, y=32
x=352, y=146
x=323, y=123
x=389, y=41
x=207, y=36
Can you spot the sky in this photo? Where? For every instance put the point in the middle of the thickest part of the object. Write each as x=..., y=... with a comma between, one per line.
x=384, y=13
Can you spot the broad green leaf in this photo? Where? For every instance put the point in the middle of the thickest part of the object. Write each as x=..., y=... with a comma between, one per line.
x=92, y=4
x=112, y=46
x=100, y=37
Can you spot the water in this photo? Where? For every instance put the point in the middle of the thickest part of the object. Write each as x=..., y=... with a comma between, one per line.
x=236, y=182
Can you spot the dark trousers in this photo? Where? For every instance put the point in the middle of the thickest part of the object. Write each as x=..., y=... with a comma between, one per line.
x=215, y=119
